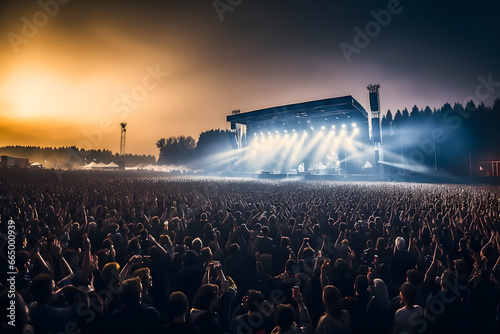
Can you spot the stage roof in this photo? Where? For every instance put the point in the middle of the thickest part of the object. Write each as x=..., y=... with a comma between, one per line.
x=341, y=108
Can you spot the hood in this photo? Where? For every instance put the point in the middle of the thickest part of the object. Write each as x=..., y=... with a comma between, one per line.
x=195, y=313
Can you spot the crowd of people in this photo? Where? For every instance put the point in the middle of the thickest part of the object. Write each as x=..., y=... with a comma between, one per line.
x=97, y=252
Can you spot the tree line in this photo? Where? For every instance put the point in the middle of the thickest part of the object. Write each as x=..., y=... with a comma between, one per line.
x=450, y=139
x=71, y=156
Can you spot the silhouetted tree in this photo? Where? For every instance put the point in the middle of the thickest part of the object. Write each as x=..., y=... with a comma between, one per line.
x=213, y=142
x=175, y=150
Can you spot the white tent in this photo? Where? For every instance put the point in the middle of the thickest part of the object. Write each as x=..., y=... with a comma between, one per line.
x=165, y=168
x=100, y=165
x=367, y=165
x=112, y=165
x=90, y=165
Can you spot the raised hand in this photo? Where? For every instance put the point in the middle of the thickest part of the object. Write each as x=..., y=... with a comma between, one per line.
x=55, y=248
x=41, y=243
x=296, y=295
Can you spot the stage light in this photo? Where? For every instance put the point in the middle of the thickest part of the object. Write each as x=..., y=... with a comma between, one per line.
x=312, y=128
x=354, y=125
x=276, y=131
x=293, y=130
x=333, y=126
x=308, y=121
x=269, y=132
x=323, y=127
x=261, y=133
x=286, y=131
x=343, y=126
x=255, y=133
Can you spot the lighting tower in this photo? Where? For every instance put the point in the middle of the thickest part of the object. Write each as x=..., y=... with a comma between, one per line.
x=122, y=139
x=375, y=120
x=240, y=132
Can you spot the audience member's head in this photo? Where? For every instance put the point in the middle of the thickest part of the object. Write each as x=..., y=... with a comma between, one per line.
x=42, y=288
x=144, y=275
x=178, y=305
x=255, y=300
x=361, y=284
x=400, y=244
x=285, y=317
x=408, y=294
x=380, y=292
x=190, y=259
x=131, y=293
x=206, y=296
x=197, y=245
x=332, y=301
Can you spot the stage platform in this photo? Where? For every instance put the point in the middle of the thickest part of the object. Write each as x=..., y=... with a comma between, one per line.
x=364, y=178
x=310, y=176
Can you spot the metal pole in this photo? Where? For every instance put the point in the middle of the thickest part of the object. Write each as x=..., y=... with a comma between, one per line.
x=402, y=151
x=345, y=153
x=435, y=151
x=470, y=163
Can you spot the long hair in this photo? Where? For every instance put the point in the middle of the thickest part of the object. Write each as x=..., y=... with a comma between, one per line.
x=331, y=298
x=380, y=293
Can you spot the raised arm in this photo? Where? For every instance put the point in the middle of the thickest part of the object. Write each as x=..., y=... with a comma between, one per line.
x=56, y=251
x=224, y=282
x=35, y=255
x=85, y=220
x=153, y=242
x=431, y=272
x=325, y=268
x=125, y=272
x=86, y=267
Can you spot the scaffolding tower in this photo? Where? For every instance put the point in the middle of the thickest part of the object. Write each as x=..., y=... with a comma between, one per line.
x=122, y=138
x=376, y=132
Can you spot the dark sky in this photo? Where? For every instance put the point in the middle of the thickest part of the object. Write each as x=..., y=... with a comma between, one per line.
x=59, y=86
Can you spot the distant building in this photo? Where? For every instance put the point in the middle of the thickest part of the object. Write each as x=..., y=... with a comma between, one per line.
x=6, y=161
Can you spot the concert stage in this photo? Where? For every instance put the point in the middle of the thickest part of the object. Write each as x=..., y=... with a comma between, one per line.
x=331, y=134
